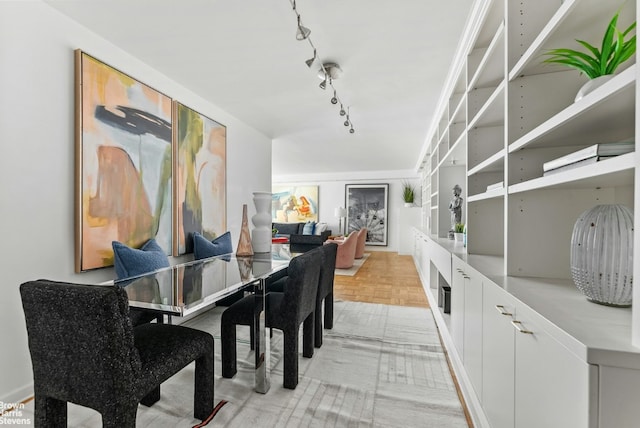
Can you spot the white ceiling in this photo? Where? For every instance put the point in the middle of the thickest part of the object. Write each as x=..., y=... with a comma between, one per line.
x=243, y=57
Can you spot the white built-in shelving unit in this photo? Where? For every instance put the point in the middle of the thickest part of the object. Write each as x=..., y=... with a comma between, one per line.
x=505, y=113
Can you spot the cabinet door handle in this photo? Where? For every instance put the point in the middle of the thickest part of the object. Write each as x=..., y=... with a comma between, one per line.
x=465, y=276
x=502, y=310
x=518, y=326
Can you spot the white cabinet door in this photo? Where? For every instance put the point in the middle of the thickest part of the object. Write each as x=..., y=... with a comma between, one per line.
x=551, y=383
x=408, y=218
x=498, y=353
x=425, y=259
x=472, y=330
x=457, y=305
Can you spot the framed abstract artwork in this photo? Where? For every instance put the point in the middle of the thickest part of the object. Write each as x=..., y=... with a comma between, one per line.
x=200, y=177
x=293, y=204
x=367, y=206
x=123, y=183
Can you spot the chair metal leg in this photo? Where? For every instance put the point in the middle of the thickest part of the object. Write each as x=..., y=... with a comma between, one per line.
x=252, y=337
x=50, y=412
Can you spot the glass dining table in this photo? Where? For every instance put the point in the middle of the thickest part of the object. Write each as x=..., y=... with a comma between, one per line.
x=188, y=288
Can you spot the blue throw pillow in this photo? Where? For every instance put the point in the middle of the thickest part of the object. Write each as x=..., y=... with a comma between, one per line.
x=308, y=228
x=203, y=248
x=130, y=262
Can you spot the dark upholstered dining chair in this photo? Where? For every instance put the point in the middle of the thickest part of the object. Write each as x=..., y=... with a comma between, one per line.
x=84, y=350
x=325, y=292
x=285, y=311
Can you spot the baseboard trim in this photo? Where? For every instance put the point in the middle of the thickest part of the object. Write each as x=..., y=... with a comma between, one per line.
x=19, y=395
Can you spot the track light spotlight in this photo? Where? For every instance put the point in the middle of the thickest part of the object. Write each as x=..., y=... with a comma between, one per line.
x=342, y=112
x=334, y=99
x=310, y=61
x=351, y=131
x=303, y=32
x=346, y=122
x=323, y=84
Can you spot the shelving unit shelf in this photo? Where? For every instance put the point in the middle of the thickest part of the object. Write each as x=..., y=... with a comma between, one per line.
x=505, y=114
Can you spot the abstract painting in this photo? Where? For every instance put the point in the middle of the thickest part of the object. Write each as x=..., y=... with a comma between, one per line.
x=367, y=206
x=293, y=204
x=200, y=177
x=123, y=163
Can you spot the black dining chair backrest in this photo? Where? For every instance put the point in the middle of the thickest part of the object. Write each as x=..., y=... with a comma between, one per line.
x=301, y=289
x=85, y=350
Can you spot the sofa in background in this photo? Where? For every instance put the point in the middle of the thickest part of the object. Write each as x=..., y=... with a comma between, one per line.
x=302, y=240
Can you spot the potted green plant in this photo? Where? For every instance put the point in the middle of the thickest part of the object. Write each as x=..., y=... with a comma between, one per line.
x=598, y=65
x=458, y=231
x=408, y=194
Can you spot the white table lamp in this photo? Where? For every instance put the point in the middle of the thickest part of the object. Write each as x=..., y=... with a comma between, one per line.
x=340, y=212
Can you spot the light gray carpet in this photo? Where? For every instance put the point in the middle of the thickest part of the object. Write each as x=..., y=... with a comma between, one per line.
x=381, y=366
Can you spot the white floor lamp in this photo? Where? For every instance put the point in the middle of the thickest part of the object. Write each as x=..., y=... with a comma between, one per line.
x=340, y=212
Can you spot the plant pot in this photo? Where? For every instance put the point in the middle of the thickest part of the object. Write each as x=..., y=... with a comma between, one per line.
x=408, y=204
x=458, y=236
x=592, y=85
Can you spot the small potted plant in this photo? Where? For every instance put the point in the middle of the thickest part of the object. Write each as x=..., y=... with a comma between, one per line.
x=408, y=194
x=598, y=65
x=458, y=232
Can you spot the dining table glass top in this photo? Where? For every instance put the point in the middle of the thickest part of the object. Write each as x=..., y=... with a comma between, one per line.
x=185, y=288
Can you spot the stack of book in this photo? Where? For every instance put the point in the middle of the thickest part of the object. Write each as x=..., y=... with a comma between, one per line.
x=588, y=155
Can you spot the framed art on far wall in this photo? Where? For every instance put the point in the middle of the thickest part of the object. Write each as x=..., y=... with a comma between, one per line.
x=367, y=206
x=293, y=204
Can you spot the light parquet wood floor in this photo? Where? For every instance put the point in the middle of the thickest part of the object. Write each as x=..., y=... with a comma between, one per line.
x=386, y=278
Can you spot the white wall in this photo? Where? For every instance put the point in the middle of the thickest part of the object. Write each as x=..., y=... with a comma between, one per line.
x=37, y=166
x=331, y=194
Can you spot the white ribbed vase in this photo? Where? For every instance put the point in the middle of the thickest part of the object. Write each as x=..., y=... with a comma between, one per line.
x=602, y=254
x=261, y=234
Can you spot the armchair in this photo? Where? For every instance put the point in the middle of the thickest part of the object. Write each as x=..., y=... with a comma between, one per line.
x=362, y=238
x=84, y=350
x=346, y=250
